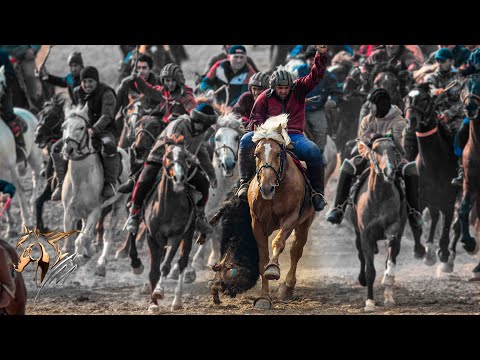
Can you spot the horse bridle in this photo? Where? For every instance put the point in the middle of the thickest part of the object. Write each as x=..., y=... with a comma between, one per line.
x=224, y=146
x=427, y=113
x=86, y=137
x=372, y=157
x=279, y=172
x=172, y=163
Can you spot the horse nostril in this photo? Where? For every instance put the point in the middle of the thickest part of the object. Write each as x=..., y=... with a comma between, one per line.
x=272, y=188
x=175, y=178
x=223, y=166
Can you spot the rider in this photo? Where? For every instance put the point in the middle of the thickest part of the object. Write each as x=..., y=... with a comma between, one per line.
x=222, y=56
x=101, y=106
x=72, y=80
x=324, y=97
x=173, y=99
x=234, y=73
x=258, y=83
x=193, y=129
x=6, y=105
x=384, y=118
x=288, y=96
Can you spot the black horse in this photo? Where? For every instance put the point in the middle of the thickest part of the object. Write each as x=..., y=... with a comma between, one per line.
x=436, y=163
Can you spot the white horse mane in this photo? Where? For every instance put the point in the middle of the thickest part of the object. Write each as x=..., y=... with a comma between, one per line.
x=230, y=120
x=274, y=128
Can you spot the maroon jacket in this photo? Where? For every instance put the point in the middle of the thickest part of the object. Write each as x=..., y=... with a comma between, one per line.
x=268, y=104
x=244, y=106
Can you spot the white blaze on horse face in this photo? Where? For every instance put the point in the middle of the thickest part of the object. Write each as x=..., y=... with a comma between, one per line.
x=267, y=148
x=177, y=167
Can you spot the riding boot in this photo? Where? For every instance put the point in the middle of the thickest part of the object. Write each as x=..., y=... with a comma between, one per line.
x=60, y=165
x=247, y=171
x=411, y=189
x=317, y=180
x=202, y=225
x=111, y=166
x=142, y=187
x=128, y=186
x=458, y=181
x=345, y=180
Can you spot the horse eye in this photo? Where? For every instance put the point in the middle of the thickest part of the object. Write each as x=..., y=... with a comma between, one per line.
x=256, y=155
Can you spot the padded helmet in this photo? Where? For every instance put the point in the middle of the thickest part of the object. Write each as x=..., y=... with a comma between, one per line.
x=173, y=71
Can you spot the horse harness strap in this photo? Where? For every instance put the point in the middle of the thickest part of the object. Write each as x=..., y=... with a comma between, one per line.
x=279, y=173
x=85, y=136
x=225, y=146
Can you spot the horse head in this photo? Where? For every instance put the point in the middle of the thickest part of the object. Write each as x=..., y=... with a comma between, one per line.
x=471, y=97
x=419, y=106
x=148, y=128
x=50, y=120
x=226, y=141
x=270, y=153
x=382, y=156
x=3, y=81
x=389, y=81
x=131, y=114
x=76, y=138
x=176, y=162
x=355, y=82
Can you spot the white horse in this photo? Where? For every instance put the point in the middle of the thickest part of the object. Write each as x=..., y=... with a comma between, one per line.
x=82, y=189
x=8, y=161
x=227, y=140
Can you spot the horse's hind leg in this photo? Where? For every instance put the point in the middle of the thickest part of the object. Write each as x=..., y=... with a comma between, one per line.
x=367, y=248
x=99, y=227
x=389, y=276
x=361, y=276
x=45, y=196
x=445, y=256
x=107, y=239
x=84, y=240
x=285, y=290
x=185, y=248
x=430, y=257
x=272, y=271
x=157, y=292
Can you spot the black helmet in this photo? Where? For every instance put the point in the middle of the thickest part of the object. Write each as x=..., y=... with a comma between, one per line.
x=381, y=98
x=281, y=78
x=174, y=71
x=75, y=58
x=260, y=80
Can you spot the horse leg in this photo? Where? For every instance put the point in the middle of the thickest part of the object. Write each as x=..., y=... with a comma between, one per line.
x=264, y=302
x=446, y=258
x=69, y=223
x=141, y=235
x=99, y=228
x=419, y=249
x=107, y=237
x=45, y=196
x=185, y=248
x=367, y=248
x=272, y=271
x=431, y=258
x=35, y=160
x=154, y=274
x=361, y=276
x=389, y=275
x=285, y=290
x=469, y=243
x=24, y=210
x=84, y=240
x=215, y=253
x=167, y=269
x=198, y=261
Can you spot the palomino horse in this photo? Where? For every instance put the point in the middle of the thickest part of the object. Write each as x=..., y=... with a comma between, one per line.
x=379, y=213
x=278, y=201
x=471, y=164
x=48, y=131
x=169, y=217
x=82, y=188
x=13, y=293
x=436, y=163
x=8, y=161
x=229, y=131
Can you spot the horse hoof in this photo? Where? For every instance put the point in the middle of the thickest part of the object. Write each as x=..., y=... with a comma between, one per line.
x=190, y=276
x=419, y=252
x=446, y=267
x=177, y=306
x=158, y=294
x=470, y=246
x=81, y=260
x=430, y=257
x=388, y=280
x=153, y=309
x=389, y=303
x=100, y=270
x=370, y=306
x=285, y=292
x=262, y=303
x=362, y=280
x=174, y=273
x=272, y=272
x=138, y=270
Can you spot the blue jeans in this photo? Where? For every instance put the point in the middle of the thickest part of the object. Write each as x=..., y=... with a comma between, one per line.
x=305, y=149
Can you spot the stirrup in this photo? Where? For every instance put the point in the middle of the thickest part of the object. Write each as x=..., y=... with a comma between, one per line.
x=314, y=193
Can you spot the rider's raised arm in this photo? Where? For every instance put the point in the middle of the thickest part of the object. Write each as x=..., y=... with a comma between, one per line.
x=317, y=72
x=153, y=92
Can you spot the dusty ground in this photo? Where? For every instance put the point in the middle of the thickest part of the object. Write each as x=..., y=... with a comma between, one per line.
x=327, y=276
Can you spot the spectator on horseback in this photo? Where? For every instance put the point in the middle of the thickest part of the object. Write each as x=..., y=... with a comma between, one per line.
x=100, y=99
x=72, y=80
x=6, y=105
x=460, y=55
x=172, y=98
x=384, y=119
x=258, y=83
x=324, y=97
x=233, y=74
x=288, y=96
x=193, y=128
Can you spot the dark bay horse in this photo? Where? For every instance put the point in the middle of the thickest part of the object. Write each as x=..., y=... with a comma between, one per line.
x=170, y=221
x=379, y=213
x=278, y=200
x=13, y=293
x=471, y=165
x=437, y=166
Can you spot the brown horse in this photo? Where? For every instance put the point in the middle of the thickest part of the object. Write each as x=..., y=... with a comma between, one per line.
x=378, y=213
x=13, y=293
x=278, y=201
x=471, y=165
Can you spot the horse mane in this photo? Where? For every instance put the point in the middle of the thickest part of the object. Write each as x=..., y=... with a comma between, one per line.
x=57, y=100
x=11, y=251
x=274, y=128
x=230, y=120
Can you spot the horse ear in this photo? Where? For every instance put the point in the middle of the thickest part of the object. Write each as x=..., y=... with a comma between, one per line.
x=363, y=150
x=84, y=110
x=279, y=129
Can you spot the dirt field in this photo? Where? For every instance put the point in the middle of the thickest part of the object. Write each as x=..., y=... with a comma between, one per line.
x=327, y=276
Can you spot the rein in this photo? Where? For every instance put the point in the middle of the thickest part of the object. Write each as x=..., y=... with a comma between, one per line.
x=86, y=137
